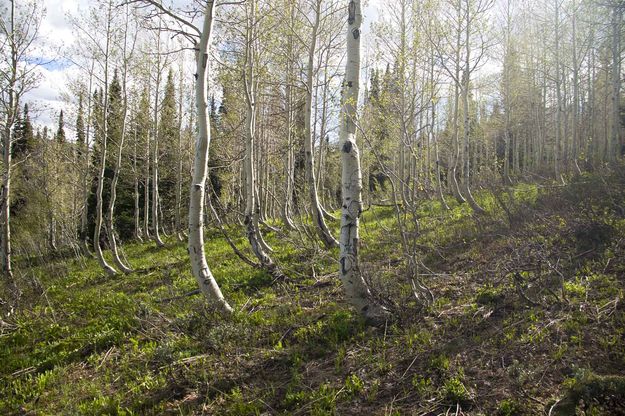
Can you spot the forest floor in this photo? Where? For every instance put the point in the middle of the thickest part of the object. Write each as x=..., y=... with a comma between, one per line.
x=528, y=311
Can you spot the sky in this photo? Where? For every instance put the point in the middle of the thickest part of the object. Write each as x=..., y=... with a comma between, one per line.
x=56, y=36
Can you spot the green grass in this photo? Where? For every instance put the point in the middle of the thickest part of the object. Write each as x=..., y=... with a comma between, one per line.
x=521, y=299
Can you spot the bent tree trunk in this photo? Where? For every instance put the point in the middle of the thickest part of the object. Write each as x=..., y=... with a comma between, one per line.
x=356, y=289
x=201, y=272
x=465, y=101
x=252, y=204
x=111, y=207
x=103, y=131
x=324, y=232
x=98, y=221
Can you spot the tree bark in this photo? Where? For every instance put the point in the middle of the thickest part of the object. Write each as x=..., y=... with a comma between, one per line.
x=556, y=150
x=178, y=221
x=104, y=133
x=118, y=164
x=432, y=132
x=322, y=229
x=201, y=272
x=455, y=187
x=467, y=124
x=155, y=195
x=617, y=17
x=252, y=205
x=356, y=289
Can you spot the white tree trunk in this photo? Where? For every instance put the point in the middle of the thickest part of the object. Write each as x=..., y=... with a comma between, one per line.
x=455, y=186
x=432, y=132
x=136, y=195
x=208, y=284
x=118, y=164
x=322, y=228
x=252, y=204
x=465, y=99
x=6, y=195
x=104, y=132
x=556, y=150
x=155, y=195
x=178, y=220
x=146, y=188
x=356, y=289
x=617, y=17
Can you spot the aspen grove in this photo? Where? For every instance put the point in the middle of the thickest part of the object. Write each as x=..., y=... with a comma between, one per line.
x=312, y=207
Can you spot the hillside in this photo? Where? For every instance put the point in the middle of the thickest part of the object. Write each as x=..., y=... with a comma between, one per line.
x=528, y=312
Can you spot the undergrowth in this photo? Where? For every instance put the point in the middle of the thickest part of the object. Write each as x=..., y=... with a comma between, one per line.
x=528, y=316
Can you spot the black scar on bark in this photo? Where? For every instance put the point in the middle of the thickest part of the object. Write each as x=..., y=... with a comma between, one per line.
x=351, y=18
x=343, y=270
x=356, y=33
x=347, y=147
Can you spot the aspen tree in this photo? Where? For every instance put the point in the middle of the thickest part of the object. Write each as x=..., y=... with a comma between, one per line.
x=356, y=289
x=322, y=228
x=201, y=272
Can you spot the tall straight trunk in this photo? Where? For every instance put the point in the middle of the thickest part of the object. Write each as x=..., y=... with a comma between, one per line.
x=118, y=164
x=155, y=195
x=593, y=105
x=136, y=194
x=432, y=132
x=467, y=124
x=252, y=206
x=104, y=139
x=7, y=154
x=607, y=116
x=7, y=159
x=146, y=185
x=617, y=17
x=542, y=149
x=322, y=229
x=178, y=223
x=455, y=187
x=288, y=160
x=84, y=217
x=508, y=101
x=6, y=204
x=404, y=171
x=556, y=150
x=323, y=129
x=201, y=272
x=356, y=289
x=575, y=145
x=58, y=162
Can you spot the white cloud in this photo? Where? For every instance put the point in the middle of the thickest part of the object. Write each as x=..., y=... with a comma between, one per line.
x=55, y=35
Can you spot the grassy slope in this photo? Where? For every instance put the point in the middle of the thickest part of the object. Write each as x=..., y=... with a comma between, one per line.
x=528, y=307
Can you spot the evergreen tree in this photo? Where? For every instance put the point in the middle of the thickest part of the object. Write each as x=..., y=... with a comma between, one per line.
x=25, y=140
x=81, y=143
x=98, y=125
x=374, y=92
x=60, y=132
x=168, y=144
x=114, y=118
